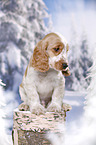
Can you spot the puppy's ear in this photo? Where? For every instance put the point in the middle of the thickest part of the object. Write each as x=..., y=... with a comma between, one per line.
x=40, y=58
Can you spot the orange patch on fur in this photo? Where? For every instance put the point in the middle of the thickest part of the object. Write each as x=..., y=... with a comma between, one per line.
x=21, y=85
x=40, y=58
x=67, y=73
x=26, y=71
x=55, y=49
x=58, y=65
x=58, y=48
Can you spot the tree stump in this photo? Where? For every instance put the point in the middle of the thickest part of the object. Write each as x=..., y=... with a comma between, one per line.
x=31, y=129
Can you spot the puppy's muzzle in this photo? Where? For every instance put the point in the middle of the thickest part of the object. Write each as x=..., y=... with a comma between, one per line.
x=65, y=71
x=65, y=65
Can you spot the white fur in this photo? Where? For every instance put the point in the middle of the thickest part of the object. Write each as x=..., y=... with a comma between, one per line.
x=62, y=55
x=62, y=38
x=38, y=86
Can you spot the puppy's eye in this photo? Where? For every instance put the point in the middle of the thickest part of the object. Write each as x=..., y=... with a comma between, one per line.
x=56, y=49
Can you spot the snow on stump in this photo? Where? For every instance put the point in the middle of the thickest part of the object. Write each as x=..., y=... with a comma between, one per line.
x=31, y=129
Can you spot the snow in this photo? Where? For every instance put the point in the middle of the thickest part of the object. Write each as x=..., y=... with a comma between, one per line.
x=18, y=80
x=3, y=68
x=79, y=127
x=4, y=138
x=76, y=100
x=1, y=83
x=11, y=104
x=80, y=60
x=1, y=14
x=35, y=26
x=13, y=55
x=42, y=3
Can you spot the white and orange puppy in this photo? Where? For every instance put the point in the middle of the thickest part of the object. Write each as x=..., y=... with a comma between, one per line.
x=42, y=87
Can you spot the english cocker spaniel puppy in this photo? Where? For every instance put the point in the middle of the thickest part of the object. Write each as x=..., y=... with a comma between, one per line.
x=42, y=87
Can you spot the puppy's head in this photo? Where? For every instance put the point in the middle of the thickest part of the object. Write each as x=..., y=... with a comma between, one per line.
x=51, y=52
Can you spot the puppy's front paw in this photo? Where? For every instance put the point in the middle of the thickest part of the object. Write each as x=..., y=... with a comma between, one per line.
x=23, y=107
x=37, y=109
x=66, y=107
x=54, y=107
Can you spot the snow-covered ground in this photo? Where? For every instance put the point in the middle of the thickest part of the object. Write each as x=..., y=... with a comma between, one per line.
x=80, y=126
x=5, y=139
x=76, y=100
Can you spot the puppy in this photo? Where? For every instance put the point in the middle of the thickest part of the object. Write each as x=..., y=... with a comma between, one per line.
x=42, y=87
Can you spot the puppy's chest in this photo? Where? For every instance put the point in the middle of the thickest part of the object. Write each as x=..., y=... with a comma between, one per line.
x=45, y=85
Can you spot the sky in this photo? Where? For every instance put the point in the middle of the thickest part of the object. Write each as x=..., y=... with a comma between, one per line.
x=80, y=13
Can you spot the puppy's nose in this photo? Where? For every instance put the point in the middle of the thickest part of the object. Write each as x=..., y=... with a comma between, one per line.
x=65, y=65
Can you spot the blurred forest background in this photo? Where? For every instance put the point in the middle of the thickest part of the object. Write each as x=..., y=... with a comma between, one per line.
x=22, y=24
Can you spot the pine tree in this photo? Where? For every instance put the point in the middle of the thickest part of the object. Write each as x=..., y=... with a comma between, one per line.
x=85, y=61
x=21, y=27
x=12, y=41
x=36, y=12
x=50, y=24
x=72, y=81
x=91, y=95
x=79, y=61
x=90, y=105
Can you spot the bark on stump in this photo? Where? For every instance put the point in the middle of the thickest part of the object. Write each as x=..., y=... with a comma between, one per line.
x=30, y=129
